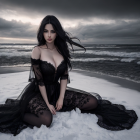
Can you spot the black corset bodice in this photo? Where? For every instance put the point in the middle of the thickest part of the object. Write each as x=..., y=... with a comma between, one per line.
x=50, y=75
x=46, y=74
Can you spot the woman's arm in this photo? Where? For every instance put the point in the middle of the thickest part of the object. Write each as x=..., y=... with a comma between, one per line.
x=35, y=63
x=64, y=80
x=63, y=85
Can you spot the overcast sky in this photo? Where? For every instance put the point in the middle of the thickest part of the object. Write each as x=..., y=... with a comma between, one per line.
x=92, y=21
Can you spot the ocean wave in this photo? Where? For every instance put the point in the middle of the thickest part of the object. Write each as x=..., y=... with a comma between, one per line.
x=138, y=62
x=15, y=46
x=111, y=53
x=15, y=53
x=105, y=59
x=18, y=65
x=100, y=47
x=127, y=59
x=94, y=59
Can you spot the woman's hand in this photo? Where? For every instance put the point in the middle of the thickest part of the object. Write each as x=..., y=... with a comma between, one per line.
x=59, y=104
x=52, y=109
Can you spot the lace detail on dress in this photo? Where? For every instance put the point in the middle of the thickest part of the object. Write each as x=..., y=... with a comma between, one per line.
x=65, y=76
x=115, y=117
x=75, y=99
x=36, y=67
x=37, y=105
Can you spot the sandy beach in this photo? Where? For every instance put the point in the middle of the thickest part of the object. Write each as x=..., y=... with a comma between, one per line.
x=74, y=125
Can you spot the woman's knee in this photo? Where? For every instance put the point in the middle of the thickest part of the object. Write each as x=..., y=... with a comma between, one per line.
x=94, y=101
x=46, y=118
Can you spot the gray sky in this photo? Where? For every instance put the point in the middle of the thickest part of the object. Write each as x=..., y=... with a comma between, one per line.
x=92, y=21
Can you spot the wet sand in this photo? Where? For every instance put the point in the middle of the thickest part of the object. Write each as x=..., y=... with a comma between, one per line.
x=13, y=69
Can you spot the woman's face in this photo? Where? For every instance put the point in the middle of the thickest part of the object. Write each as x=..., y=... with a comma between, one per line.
x=49, y=33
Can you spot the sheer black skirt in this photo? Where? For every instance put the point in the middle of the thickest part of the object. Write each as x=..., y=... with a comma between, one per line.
x=29, y=110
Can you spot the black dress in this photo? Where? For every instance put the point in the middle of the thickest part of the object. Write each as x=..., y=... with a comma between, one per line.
x=110, y=116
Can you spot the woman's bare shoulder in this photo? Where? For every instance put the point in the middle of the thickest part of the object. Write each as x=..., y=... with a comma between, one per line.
x=41, y=47
x=36, y=52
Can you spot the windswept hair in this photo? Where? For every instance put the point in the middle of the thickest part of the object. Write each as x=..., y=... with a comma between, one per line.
x=61, y=40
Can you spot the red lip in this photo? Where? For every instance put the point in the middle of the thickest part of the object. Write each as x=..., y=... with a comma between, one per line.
x=49, y=39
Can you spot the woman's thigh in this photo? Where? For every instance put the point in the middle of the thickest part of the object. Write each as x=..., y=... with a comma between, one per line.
x=37, y=105
x=81, y=100
x=37, y=112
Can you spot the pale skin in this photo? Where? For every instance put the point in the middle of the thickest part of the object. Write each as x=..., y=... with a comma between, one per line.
x=54, y=57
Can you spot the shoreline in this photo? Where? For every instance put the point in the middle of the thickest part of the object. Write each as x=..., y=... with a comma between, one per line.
x=120, y=81
x=4, y=70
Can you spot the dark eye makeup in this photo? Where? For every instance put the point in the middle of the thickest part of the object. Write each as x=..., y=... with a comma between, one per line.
x=51, y=30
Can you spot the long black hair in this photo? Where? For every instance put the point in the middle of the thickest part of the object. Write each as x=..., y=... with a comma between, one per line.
x=61, y=40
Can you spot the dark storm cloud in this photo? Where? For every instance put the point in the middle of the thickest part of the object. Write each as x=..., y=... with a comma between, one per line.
x=125, y=32
x=119, y=10
x=112, y=9
x=16, y=29
x=120, y=29
x=119, y=32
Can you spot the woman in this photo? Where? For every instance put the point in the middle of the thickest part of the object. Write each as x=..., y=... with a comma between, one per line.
x=48, y=93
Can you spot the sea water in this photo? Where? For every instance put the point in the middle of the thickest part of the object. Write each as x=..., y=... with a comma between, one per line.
x=121, y=60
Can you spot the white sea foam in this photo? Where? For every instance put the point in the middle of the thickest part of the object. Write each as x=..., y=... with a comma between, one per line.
x=12, y=52
x=111, y=53
x=127, y=59
x=94, y=59
x=15, y=50
x=104, y=59
x=100, y=47
x=17, y=46
x=18, y=65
